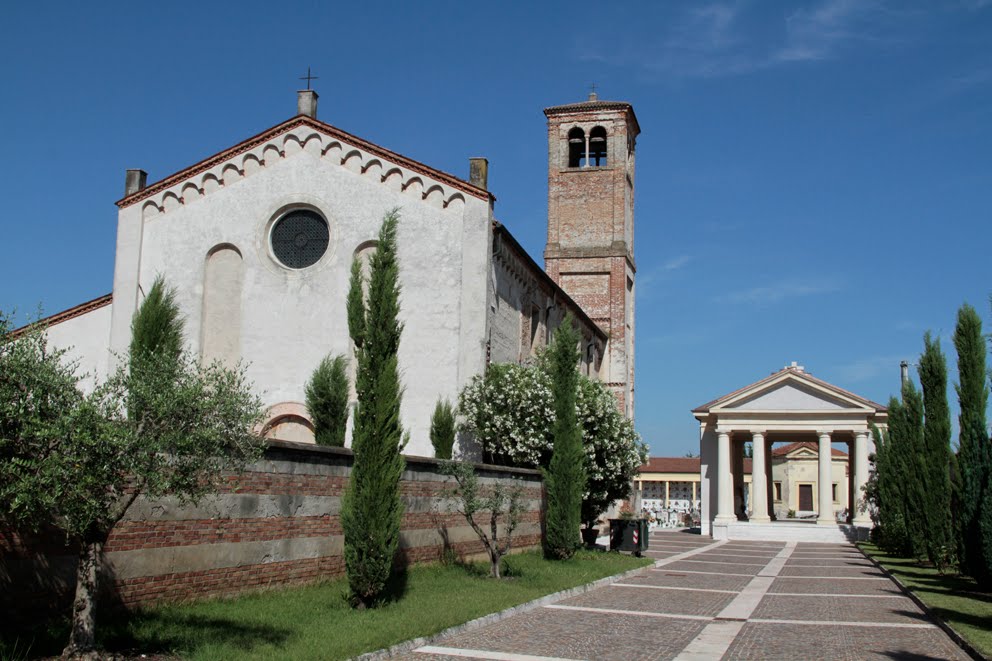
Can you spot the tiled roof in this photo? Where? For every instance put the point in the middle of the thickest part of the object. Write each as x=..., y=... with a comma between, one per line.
x=66, y=315
x=588, y=105
x=678, y=465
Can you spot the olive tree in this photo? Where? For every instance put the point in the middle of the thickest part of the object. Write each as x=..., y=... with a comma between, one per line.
x=161, y=424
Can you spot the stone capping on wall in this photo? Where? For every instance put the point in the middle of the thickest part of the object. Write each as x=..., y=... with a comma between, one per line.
x=346, y=456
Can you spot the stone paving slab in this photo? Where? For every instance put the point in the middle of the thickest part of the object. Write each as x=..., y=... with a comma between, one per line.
x=714, y=567
x=666, y=577
x=840, y=643
x=580, y=635
x=679, y=602
x=831, y=586
x=736, y=557
x=833, y=562
x=833, y=572
x=839, y=609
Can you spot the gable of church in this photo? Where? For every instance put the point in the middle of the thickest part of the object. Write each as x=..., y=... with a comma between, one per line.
x=323, y=141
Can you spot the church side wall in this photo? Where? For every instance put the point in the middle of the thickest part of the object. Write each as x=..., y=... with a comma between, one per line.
x=278, y=524
x=506, y=324
x=85, y=339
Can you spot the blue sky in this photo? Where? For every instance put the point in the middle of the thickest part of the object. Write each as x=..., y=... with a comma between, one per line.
x=814, y=180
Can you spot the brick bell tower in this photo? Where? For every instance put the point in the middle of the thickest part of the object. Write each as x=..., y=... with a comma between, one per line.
x=590, y=249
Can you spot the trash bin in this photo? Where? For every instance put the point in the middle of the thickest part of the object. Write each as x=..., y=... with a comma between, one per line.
x=629, y=535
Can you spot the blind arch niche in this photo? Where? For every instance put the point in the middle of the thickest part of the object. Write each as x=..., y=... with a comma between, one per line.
x=220, y=337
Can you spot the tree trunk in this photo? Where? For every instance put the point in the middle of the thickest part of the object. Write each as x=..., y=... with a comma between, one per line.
x=494, y=561
x=82, y=640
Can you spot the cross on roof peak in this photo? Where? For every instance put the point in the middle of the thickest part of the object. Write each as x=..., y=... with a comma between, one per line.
x=309, y=78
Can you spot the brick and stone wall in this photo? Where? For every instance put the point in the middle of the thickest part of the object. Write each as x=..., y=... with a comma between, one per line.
x=277, y=524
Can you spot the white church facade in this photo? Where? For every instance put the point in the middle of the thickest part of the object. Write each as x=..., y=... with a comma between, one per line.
x=258, y=242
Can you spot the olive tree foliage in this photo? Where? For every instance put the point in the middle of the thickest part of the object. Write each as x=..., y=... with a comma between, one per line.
x=161, y=424
x=493, y=504
x=371, y=510
x=510, y=411
x=327, y=400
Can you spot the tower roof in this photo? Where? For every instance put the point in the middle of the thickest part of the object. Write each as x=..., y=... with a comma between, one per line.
x=594, y=104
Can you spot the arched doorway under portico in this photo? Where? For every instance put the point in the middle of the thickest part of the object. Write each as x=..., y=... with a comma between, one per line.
x=788, y=406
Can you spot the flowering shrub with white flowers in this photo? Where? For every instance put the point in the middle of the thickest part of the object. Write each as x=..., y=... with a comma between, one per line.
x=510, y=411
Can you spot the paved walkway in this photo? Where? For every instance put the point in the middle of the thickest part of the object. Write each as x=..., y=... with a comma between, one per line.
x=713, y=600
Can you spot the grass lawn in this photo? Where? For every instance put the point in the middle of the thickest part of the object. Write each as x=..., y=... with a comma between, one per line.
x=316, y=623
x=954, y=599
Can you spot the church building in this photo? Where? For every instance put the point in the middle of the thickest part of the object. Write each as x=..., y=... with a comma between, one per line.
x=258, y=241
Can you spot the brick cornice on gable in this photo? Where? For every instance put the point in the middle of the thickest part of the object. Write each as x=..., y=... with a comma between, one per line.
x=65, y=315
x=350, y=145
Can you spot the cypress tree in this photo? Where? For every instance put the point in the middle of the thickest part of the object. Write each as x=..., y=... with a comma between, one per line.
x=327, y=401
x=973, y=460
x=936, y=480
x=565, y=478
x=371, y=510
x=891, y=494
x=156, y=339
x=912, y=452
x=443, y=429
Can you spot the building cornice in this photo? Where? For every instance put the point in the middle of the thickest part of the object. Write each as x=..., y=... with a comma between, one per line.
x=289, y=125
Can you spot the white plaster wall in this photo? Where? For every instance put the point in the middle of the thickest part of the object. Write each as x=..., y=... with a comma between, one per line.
x=291, y=319
x=86, y=339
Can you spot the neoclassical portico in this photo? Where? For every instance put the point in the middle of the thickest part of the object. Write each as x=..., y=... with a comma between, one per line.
x=788, y=406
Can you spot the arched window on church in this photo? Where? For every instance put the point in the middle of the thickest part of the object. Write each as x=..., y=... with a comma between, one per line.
x=597, y=147
x=576, y=148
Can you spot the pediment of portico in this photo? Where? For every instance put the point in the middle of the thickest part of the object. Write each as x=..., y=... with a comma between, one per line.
x=790, y=392
x=789, y=395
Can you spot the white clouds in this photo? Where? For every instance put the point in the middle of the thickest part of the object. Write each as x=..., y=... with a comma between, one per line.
x=676, y=263
x=733, y=38
x=780, y=291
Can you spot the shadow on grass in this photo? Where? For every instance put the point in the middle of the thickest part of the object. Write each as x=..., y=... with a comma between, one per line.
x=143, y=632
x=910, y=656
x=167, y=632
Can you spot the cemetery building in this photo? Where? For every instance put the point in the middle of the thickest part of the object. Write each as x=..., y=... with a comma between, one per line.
x=671, y=485
x=258, y=242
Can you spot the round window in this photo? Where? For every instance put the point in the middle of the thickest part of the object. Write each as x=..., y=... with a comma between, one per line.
x=299, y=239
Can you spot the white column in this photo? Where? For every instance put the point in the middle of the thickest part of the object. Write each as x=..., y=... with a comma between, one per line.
x=825, y=512
x=725, y=480
x=860, y=477
x=759, y=480
x=666, y=493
